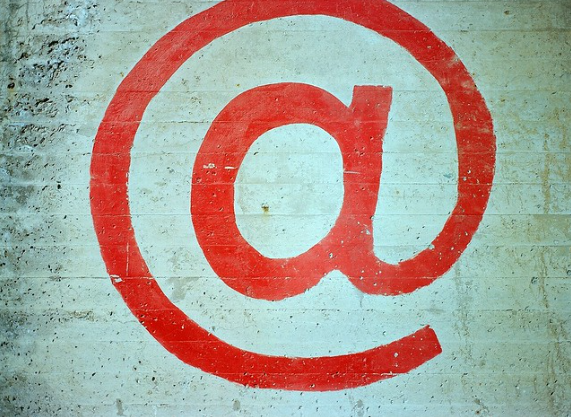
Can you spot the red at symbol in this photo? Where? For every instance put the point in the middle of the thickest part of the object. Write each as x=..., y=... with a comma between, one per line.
x=358, y=129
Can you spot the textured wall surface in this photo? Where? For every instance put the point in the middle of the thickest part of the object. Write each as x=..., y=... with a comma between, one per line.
x=69, y=343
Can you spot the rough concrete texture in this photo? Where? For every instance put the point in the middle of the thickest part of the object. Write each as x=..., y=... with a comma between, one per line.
x=69, y=344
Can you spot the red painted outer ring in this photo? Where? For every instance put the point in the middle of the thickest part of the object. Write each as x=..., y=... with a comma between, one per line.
x=112, y=220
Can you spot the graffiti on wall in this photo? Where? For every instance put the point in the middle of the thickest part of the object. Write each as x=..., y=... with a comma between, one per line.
x=358, y=130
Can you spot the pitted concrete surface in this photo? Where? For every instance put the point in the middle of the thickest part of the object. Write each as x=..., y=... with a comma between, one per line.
x=70, y=345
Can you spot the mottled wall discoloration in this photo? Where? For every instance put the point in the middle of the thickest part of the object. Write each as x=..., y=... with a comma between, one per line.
x=42, y=56
x=70, y=346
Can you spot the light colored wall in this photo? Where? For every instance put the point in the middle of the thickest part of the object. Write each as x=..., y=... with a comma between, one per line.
x=70, y=345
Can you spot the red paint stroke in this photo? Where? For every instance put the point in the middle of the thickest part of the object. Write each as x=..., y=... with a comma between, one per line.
x=185, y=338
x=358, y=129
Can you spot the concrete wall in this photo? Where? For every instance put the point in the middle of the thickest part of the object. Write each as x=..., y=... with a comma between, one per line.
x=72, y=342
